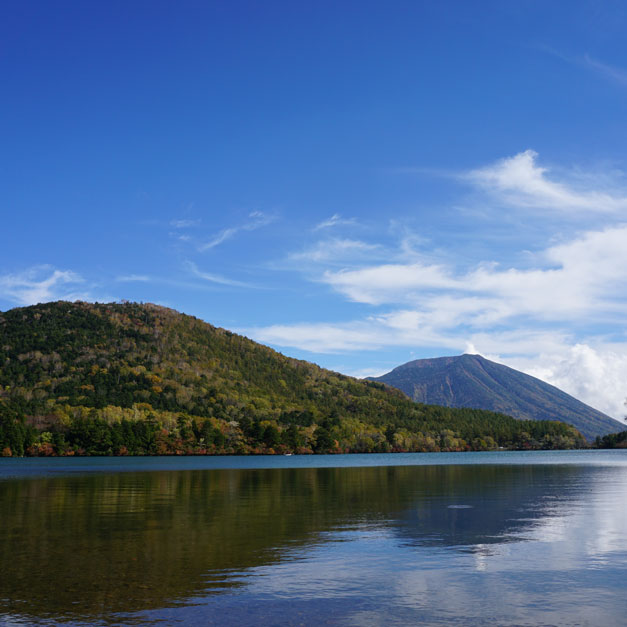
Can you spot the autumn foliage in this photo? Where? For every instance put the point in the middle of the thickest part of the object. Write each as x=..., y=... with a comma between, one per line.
x=131, y=379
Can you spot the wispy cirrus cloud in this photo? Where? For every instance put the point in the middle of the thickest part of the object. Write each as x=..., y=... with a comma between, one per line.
x=519, y=181
x=615, y=74
x=335, y=220
x=184, y=224
x=133, y=278
x=257, y=219
x=41, y=284
x=612, y=73
x=336, y=250
x=222, y=236
x=214, y=278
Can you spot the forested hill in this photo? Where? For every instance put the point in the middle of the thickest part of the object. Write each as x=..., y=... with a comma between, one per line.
x=79, y=378
x=473, y=381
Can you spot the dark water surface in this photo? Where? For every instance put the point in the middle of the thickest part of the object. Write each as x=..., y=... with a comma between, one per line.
x=461, y=539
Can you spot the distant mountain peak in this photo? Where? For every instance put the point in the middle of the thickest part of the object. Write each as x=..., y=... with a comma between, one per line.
x=471, y=380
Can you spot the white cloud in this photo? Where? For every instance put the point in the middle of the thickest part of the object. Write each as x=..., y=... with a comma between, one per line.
x=336, y=250
x=586, y=275
x=615, y=74
x=324, y=338
x=257, y=220
x=520, y=182
x=41, y=284
x=597, y=375
x=133, y=278
x=363, y=373
x=222, y=236
x=534, y=312
x=184, y=224
x=214, y=278
x=407, y=329
x=335, y=220
x=508, y=314
x=387, y=283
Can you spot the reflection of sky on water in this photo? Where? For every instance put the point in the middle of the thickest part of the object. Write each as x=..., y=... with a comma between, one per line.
x=565, y=566
x=450, y=545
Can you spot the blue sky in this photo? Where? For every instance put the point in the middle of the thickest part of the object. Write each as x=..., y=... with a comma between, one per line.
x=358, y=184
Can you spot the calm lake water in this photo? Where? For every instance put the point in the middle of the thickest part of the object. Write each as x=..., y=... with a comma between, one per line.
x=445, y=539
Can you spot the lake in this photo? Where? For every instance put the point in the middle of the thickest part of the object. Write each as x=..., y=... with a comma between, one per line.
x=506, y=538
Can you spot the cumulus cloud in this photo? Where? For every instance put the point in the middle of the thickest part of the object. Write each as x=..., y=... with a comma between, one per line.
x=42, y=284
x=519, y=182
x=595, y=375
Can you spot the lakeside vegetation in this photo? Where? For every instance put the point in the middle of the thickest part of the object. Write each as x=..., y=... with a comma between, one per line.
x=612, y=440
x=137, y=379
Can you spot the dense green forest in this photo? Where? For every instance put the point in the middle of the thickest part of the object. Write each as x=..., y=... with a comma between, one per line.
x=128, y=378
x=612, y=440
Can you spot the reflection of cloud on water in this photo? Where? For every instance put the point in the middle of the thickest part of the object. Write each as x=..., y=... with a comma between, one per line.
x=584, y=532
x=323, y=571
x=482, y=554
x=551, y=567
x=538, y=544
x=556, y=562
x=608, y=520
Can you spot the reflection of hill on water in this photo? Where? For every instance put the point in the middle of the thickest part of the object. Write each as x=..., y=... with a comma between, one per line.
x=487, y=504
x=91, y=546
